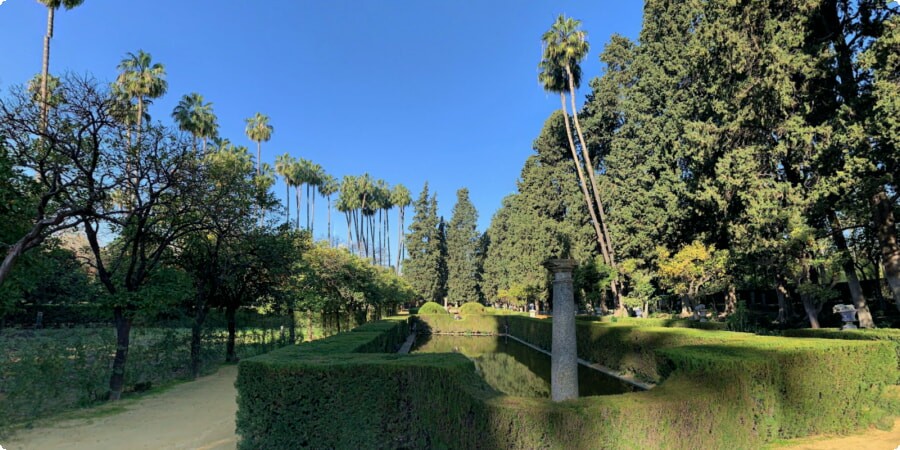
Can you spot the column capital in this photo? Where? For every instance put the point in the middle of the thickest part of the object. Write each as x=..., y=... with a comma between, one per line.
x=560, y=265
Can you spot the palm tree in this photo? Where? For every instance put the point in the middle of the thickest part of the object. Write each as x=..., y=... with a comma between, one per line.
x=284, y=167
x=401, y=199
x=565, y=45
x=52, y=6
x=141, y=80
x=259, y=131
x=316, y=176
x=196, y=117
x=327, y=188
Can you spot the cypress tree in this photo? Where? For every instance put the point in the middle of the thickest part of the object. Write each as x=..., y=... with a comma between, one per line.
x=463, y=278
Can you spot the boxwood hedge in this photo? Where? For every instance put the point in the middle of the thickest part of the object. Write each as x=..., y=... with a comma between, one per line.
x=717, y=390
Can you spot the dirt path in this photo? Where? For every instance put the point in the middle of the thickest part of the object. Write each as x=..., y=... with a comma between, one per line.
x=195, y=415
x=872, y=439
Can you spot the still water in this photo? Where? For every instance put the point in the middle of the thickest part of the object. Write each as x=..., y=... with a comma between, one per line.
x=516, y=369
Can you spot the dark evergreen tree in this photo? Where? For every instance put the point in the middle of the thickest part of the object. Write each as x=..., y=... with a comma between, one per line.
x=463, y=277
x=423, y=266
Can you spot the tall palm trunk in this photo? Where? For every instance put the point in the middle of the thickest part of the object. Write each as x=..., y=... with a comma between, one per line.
x=308, y=201
x=387, y=236
x=258, y=156
x=329, y=220
x=312, y=219
x=45, y=70
x=601, y=212
x=584, y=191
x=349, y=236
x=299, y=188
x=400, y=240
x=590, y=170
x=287, y=199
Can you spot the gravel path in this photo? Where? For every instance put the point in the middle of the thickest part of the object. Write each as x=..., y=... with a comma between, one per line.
x=194, y=415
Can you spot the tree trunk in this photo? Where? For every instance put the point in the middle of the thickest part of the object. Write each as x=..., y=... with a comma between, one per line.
x=230, y=355
x=782, y=294
x=686, y=307
x=337, y=319
x=45, y=71
x=330, y=243
x=287, y=199
x=292, y=325
x=856, y=292
x=812, y=312
x=400, y=240
x=587, y=197
x=197, y=341
x=299, y=203
x=590, y=170
x=730, y=300
x=258, y=158
x=123, y=338
x=309, y=326
x=886, y=232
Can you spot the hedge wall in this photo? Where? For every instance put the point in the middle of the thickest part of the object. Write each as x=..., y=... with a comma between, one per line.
x=891, y=335
x=718, y=390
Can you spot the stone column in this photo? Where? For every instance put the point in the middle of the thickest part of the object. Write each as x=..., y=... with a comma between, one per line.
x=563, y=355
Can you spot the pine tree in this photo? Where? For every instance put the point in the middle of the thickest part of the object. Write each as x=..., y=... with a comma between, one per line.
x=463, y=278
x=424, y=264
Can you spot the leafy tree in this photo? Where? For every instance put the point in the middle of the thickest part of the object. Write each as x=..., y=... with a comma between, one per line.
x=695, y=270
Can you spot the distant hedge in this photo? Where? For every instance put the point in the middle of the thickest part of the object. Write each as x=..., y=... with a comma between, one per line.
x=717, y=390
x=431, y=308
x=471, y=308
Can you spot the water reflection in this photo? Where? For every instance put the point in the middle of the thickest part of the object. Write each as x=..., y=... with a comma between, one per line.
x=516, y=369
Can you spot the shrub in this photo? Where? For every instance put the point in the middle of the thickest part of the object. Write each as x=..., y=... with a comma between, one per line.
x=432, y=308
x=717, y=390
x=879, y=334
x=471, y=308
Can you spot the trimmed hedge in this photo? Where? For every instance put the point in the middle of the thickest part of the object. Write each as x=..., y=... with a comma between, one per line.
x=891, y=335
x=471, y=308
x=431, y=308
x=472, y=324
x=718, y=390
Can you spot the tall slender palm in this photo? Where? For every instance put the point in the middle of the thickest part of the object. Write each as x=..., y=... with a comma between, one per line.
x=568, y=45
x=284, y=167
x=565, y=45
x=196, y=117
x=259, y=131
x=52, y=6
x=142, y=80
x=327, y=188
x=401, y=198
x=316, y=177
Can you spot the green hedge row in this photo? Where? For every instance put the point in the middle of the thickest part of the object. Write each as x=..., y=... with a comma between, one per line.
x=718, y=390
x=891, y=335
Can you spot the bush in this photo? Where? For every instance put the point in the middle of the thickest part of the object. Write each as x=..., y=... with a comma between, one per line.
x=717, y=390
x=471, y=308
x=879, y=334
x=432, y=308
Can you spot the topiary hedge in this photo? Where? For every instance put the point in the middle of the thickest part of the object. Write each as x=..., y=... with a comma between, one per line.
x=891, y=335
x=471, y=308
x=431, y=308
x=715, y=392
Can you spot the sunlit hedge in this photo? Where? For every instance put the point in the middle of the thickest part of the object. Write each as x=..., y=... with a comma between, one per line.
x=431, y=308
x=891, y=335
x=717, y=390
x=471, y=308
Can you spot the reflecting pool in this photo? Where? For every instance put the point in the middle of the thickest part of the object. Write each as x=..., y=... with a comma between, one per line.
x=516, y=369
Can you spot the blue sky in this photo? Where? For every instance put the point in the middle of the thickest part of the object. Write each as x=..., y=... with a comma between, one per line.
x=443, y=91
